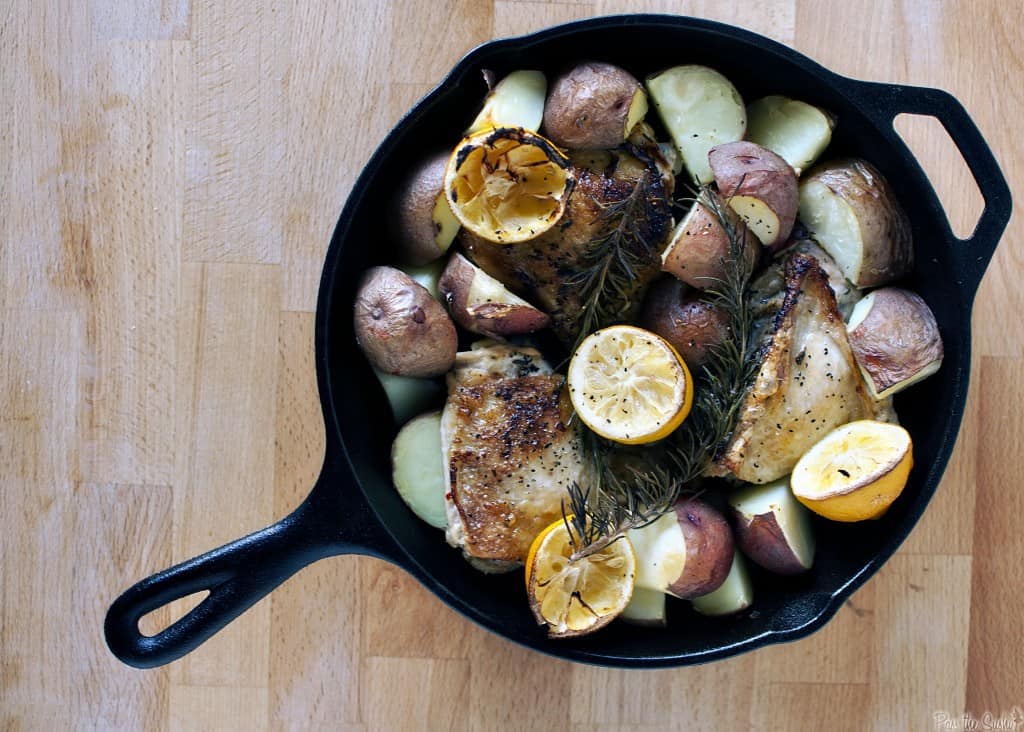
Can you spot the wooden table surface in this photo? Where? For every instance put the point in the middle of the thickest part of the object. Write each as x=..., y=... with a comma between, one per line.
x=171, y=173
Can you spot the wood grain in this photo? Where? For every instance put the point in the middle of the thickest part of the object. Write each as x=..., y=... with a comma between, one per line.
x=170, y=175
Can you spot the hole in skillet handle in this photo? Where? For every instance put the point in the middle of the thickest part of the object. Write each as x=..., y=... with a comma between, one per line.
x=946, y=169
x=884, y=102
x=334, y=519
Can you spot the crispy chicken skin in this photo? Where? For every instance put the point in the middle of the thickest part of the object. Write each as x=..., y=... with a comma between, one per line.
x=768, y=289
x=545, y=270
x=509, y=450
x=808, y=382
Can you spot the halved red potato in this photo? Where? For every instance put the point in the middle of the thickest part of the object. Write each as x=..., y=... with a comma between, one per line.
x=796, y=131
x=894, y=336
x=773, y=528
x=759, y=186
x=850, y=209
x=700, y=109
x=687, y=552
x=646, y=607
x=515, y=101
x=417, y=468
x=699, y=249
x=420, y=221
x=593, y=106
x=734, y=595
x=481, y=304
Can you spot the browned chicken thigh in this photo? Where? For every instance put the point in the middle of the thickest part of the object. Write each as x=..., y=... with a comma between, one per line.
x=808, y=382
x=509, y=450
x=546, y=270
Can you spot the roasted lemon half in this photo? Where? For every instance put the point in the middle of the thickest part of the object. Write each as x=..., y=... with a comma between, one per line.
x=508, y=184
x=855, y=472
x=577, y=597
x=629, y=385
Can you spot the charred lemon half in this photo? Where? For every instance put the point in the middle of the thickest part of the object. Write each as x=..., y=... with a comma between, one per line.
x=507, y=185
x=576, y=597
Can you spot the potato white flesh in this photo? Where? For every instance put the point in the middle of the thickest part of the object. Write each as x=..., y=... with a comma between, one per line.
x=660, y=553
x=830, y=219
x=700, y=108
x=516, y=101
x=446, y=226
x=483, y=305
x=894, y=336
x=637, y=110
x=646, y=607
x=759, y=216
x=427, y=275
x=772, y=528
x=686, y=552
x=407, y=395
x=852, y=212
x=417, y=468
x=796, y=131
x=760, y=186
x=734, y=595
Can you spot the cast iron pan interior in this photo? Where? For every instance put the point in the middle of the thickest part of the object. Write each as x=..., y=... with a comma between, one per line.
x=355, y=509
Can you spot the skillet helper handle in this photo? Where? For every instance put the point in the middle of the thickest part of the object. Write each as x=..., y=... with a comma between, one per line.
x=890, y=100
x=237, y=576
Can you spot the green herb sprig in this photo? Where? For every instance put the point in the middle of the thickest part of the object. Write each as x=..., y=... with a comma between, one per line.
x=613, y=259
x=614, y=503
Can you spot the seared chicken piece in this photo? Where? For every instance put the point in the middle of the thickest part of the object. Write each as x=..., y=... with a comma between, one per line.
x=808, y=382
x=509, y=450
x=546, y=270
x=768, y=289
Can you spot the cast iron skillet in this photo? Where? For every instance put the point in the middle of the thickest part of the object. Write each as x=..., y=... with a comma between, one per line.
x=353, y=508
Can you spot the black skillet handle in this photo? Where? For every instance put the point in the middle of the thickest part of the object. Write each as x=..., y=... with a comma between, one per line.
x=239, y=574
x=886, y=101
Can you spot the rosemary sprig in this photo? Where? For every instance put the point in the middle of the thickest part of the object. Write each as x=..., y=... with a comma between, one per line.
x=613, y=259
x=612, y=504
x=732, y=364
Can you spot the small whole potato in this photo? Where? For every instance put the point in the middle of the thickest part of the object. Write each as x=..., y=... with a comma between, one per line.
x=691, y=323
x=400, y=327
x=593, y=105
x=420, y=222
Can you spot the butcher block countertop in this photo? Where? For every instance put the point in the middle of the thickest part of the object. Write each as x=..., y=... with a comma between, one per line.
x=171, y=174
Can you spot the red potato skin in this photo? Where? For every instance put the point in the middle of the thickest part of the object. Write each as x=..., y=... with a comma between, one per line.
x=492, y=319
x=698, y=256
x=401, y=329
x=747, y=169
x=709, y=549
x=410, y=224
x=691, y=324
x=760, y=537
x=897, y=339
x=587, y=106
